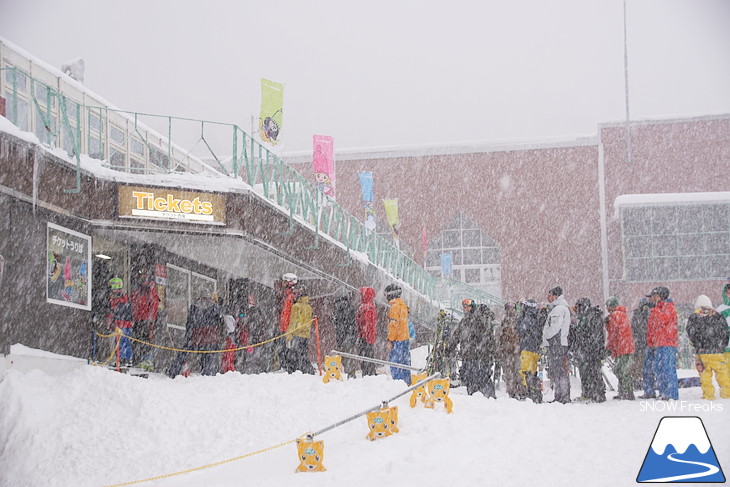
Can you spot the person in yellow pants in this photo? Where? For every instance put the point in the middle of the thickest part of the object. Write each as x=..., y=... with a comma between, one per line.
x=529, y=330
x=708, y=332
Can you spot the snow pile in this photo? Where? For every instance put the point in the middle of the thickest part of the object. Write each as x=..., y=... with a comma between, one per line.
x=95, y=427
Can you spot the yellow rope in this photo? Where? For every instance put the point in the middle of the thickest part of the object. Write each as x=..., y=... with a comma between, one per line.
x=204, y=466
x=203, y=351
x=118, y=331
x=289, y=332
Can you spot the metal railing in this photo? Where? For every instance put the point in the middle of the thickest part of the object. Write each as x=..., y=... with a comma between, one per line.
x=122, y=140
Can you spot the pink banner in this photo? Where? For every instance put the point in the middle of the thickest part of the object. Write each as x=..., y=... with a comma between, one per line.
x=323, y=161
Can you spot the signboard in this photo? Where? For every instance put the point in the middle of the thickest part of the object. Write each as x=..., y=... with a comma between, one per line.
x=172, y=205
x=68, y=267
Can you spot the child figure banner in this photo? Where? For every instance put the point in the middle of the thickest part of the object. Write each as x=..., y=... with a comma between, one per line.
x=69, y=267
x=271, y=115
x=323, y=161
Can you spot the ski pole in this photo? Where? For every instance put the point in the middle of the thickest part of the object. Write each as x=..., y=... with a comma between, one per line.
x=376, y=361
x=374, y=408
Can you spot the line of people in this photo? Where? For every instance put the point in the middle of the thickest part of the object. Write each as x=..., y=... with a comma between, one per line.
x=642, y=350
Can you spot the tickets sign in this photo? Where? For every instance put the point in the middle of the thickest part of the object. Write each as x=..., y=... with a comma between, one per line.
x=171, y=205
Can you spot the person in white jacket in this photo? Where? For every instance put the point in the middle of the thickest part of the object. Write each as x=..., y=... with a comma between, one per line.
x=555, y=338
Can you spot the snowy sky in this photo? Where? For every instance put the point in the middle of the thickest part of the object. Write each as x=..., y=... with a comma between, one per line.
x=384, y=73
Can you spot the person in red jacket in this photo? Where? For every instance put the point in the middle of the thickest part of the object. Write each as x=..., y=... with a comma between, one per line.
x=366, y=320
x=620, y=345
x=145, y=302
x=662, y=338
x=120, y=316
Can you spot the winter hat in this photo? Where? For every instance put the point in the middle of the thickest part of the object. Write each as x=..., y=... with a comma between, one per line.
x=662, y=291
x=703, y=302
x=530, y=303
x=612, y=302
x=556, y=291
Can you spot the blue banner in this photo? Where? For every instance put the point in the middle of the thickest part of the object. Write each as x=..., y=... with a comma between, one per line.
x=447, y=259
x=366, y=185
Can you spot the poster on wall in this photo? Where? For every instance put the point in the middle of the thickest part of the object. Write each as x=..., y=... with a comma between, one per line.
x=68, y=267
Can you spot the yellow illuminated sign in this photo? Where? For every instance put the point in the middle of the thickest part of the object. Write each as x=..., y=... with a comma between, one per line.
x=171, y=204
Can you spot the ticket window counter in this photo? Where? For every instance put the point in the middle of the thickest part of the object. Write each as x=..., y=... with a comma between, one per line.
x=182, y=288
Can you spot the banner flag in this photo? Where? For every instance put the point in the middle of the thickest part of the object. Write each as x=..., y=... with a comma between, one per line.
x=366, y=188
x=447, y=258
x=391, y=212
x=323, y=161
x=271, y=115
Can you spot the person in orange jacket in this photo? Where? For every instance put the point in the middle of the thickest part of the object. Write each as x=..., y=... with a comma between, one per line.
x=620, y=345
x=398, y=336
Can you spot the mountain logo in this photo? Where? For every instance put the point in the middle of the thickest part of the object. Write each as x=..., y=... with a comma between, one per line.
x=681, y=452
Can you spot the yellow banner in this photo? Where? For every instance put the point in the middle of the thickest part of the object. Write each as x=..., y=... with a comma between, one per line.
x=391, y=212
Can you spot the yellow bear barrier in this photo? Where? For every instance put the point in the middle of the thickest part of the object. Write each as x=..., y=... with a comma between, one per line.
x=382, y=423
x=311, y=454
x=420, y=393
x=332, y=368
x=438, y=391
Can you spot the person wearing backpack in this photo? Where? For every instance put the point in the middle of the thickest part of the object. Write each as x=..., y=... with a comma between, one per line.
x=555, y=338
x=586, y=342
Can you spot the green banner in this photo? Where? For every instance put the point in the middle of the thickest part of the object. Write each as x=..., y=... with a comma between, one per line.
x=272, y=106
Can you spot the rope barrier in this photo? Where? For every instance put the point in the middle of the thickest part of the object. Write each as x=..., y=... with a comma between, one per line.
x=245, y=347
x=376, y=361
x=117, y=332
x=222, y=462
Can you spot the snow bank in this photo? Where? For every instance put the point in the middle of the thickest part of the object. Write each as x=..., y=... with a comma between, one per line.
x=94, y=427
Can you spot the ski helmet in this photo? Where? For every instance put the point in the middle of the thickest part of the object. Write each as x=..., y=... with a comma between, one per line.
x=467, y=302
x=290, y=278
x=392, y=291
x=116, y=283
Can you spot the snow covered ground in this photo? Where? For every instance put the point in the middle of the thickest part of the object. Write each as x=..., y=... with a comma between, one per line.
x=91, y=426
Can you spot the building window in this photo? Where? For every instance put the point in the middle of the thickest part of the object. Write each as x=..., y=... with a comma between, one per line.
x=676, y=242
x=475, y=256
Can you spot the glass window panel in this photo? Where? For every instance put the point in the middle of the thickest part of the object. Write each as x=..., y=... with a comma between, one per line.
x=21, y=81
x=637, y=246
x=457, y=257
x=690, y=244
x=67, y=142
x=95, y=122
x=44, y=94
x=689, y=219
x=436, y=274
x=158, y=158
x=472, y=276
x=691, y=267
x=717, y=243
x=472, y=238
x=435, y=243
x=455, y=224
x=136, y=166
x=72, y=109
x=432, y=259
x=45, y=134
x=636, y=221
x=664, y=220
x=490, y=256
x=472, y=256
x=117, y=159
x=716, y=218
x=117, y=135
x=177, y=294
x=96, y=148
x=666, y=268
x=718, y=266
x=451, y=239
x=665, y=245
x=639, y=269
x=21, y=118
x=467, y=222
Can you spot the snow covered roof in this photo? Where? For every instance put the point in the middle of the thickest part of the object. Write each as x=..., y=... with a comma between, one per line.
x=663, y=199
